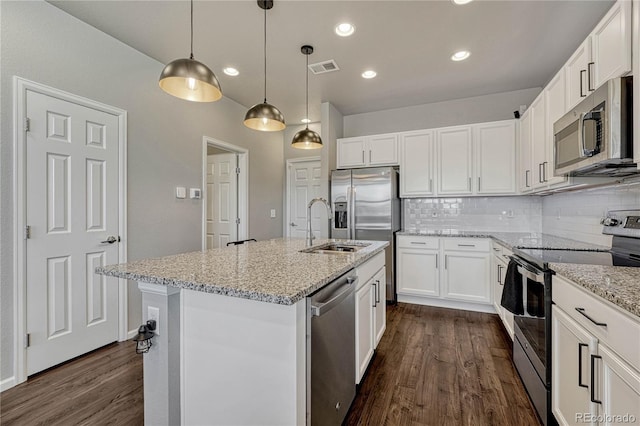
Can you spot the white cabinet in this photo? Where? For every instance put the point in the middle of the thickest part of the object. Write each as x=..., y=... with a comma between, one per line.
x=538, y=142
x=380, y=306
x=495, y=153
x=595, y=362
x=605, y=54
x=378, y=150
x=364, y=328
x=555, y=102
x=417, y=266
x=525, y=161
x=416, y=164
x=455, y=155
x=466, y=276
x=499, y=264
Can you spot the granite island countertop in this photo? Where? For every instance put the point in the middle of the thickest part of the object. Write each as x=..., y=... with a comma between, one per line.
x=273, y=271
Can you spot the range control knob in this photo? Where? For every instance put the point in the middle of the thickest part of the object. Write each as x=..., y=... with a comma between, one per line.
x=610, y=221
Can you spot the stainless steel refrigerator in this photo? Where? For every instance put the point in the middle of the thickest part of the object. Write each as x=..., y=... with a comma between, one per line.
x=366, y=207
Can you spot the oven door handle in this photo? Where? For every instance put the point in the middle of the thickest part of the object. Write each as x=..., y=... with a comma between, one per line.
x=528, y=271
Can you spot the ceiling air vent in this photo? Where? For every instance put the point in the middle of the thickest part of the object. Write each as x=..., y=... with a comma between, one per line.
x=324, y=67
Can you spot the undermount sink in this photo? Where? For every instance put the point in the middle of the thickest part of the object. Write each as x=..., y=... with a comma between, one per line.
x=335, y=248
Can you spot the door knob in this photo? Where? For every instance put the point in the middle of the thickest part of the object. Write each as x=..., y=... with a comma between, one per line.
x=110, y=240
x=293, y=224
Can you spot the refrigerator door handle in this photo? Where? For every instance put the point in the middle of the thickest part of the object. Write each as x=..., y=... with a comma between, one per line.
x=352, y=212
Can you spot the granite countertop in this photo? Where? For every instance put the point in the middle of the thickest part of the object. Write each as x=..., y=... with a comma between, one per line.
x=520, y=240
x=273, y=271
x=619, y=285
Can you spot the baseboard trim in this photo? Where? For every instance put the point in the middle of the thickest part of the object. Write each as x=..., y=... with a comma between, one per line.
x=451, y=304
x=132, y=333
x=7, y=383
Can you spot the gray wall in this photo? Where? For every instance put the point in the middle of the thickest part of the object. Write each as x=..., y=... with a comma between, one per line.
x=499, y=106
x=41, y=43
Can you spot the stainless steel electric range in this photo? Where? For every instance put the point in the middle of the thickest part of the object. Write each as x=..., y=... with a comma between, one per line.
x=532, y=329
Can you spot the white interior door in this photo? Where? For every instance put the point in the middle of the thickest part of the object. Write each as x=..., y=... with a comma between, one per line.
x=222, y=200
x=72, y=209
x=304, y=185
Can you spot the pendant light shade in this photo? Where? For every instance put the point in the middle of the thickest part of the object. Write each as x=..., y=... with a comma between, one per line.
x=190, y=79
x=306, y=138
x=264, y=116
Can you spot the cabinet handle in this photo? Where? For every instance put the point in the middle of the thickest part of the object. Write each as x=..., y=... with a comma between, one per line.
x=580, y=346
x=374, y=294
x=430, y=185
x=369, y=156
x=589, y=87
x=466, y=245
x=418, y=242
x=526, y=178
x=582, y=72
x=499, y=267
x=593, y=375
x=583, y=313
x=540, y=172
x=446, y=263
x=363, y=157
x=470, y=187
x=436, y=260
x=544, y=171
x=478, y=184
x=377, y=292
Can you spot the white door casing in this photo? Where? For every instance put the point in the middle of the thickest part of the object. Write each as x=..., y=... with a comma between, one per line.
x=304, y=184
x=222, y=200
x=70, y=188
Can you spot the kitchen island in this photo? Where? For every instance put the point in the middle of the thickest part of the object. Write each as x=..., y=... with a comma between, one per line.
x=231, y=338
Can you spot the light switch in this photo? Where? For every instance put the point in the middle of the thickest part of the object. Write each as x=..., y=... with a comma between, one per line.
x=273, y=213
x=181, y=192
x=195, y=193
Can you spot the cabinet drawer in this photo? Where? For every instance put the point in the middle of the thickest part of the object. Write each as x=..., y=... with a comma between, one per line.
x=410, y=241
x=467, y=244
x=621, y=331
x=369, y=268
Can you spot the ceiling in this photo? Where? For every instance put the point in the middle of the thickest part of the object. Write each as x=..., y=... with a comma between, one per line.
x=514, y=45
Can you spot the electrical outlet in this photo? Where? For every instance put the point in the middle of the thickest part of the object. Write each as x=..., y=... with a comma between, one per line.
x=153, y=313
x=273, y=213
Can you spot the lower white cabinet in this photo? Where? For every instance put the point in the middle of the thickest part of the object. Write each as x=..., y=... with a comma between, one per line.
x=370, y=313
x=499, y=264
x=595, y=359
x=448, y=271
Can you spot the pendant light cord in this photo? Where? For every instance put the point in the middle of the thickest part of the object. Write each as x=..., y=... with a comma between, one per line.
x=191, y=57
x=265, y=55
x=307, y=75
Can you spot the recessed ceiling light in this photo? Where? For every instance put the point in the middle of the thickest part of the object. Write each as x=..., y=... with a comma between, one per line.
x=345, y=29
x=369, y=74
x=461, y=55
x=461, y=2
x=231, y=71
x=306, y=120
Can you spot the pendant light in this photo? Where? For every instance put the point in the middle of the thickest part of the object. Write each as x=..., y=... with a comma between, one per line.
x=190, y=79
x=305, y=138
x=264, y=116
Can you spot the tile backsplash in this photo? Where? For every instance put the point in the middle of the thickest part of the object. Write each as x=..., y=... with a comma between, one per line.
x=506, y=214
x=577, y=215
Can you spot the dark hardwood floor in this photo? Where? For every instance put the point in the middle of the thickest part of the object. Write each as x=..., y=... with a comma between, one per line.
x=100, y=388
x=438, y=366
x=433, y=367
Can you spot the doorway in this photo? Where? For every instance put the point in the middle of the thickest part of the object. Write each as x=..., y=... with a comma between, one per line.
x=70, y=217
x=303, y=183
x=225, y=193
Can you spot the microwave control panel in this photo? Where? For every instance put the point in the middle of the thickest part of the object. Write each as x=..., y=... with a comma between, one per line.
x=632, y=222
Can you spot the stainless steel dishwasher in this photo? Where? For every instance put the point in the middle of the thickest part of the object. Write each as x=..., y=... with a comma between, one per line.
x=331, y=359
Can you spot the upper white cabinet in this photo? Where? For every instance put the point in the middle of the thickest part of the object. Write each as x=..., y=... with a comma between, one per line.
x=495, y=153
x=378, y=150
x=538, y=138
x=455, y=160
x=555, y=103
x=605, y=54
x=525, y=153
x=416, y=164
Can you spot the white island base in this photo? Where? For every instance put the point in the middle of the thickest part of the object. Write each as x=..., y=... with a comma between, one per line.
x=229, y=360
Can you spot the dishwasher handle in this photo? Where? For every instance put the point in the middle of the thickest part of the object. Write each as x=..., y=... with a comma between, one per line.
x=319, y=309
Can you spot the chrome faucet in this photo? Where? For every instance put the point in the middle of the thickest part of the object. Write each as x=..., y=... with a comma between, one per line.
x=310, y=236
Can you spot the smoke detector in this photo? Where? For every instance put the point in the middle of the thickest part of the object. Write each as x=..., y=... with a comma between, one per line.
x=324, y=67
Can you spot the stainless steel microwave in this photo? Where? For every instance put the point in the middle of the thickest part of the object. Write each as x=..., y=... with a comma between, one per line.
x=596, y=137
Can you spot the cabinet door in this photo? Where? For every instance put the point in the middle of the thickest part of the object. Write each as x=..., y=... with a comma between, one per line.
x=570, y=376
x=555, y=103
x=611, y=46
x=576, y=69
x=495, y=151
x=364, y=328
x=351, y=152
x=418, y=272
x=538, y=142
x=383, y=150
x=467, y=276
x=620, y=390
x=416, y=164
x=380, y=311
x=525, y=153
x=454, y=160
